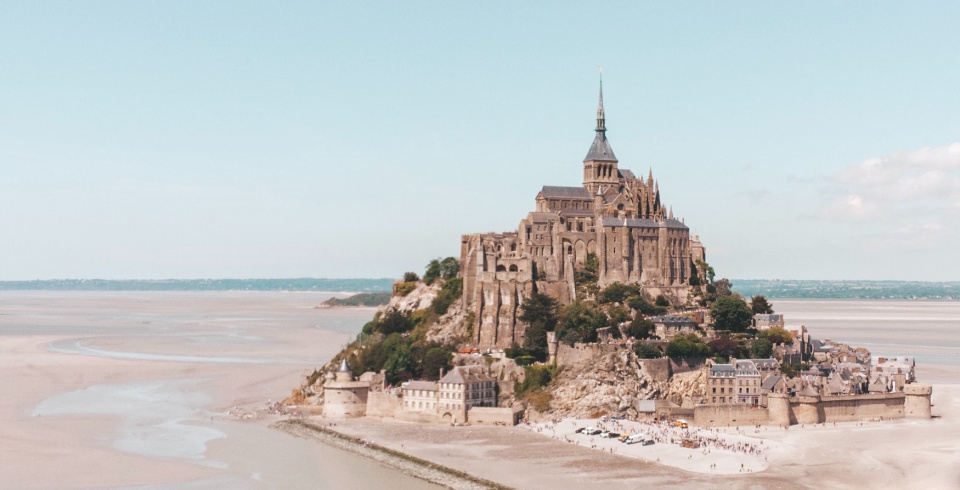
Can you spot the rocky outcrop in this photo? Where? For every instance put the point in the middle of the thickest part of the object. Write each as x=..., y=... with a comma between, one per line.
x=421, y=297
x=614, y=383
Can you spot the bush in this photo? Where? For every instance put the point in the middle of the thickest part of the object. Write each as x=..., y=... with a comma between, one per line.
x=405, y=288
x=579, y=323
x=644, y=350
x=761, y=349
x=638, y=303
x=410, y=277
x=662, y=301
x=687, y=346
x=535, y=377
x=617, y=293
x=395, y=322
x=451, y=291
x=640, y=327
x=447, y=268
x=540, y=401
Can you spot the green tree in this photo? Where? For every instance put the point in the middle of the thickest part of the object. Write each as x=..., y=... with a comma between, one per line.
x=638, y=303
x=687, y=346
x=617, y=293
x=759, y=304
x=539, y=312
x=707, y=271
x=777, y=335
x=662, y=301
x=441, y=269
x=579, y=322
x=435, y=359
x=731, y=313
x=589, y=273
x=725, y=347
x=410, y=277
x=395, y=322
x=451, y=291
x=640, y=327
x=761, y=348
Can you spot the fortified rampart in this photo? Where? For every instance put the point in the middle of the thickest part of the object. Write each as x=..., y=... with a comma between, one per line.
x=783, y=410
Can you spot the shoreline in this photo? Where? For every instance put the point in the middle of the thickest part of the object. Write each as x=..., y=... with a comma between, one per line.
x=408, y=464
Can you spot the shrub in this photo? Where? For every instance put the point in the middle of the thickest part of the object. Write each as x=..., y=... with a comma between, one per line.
x=644, y=350
x=687, y=346
x=410, y=277
x=662, y=301
x=535, y=377
x=447, y=268
x=451, y=291
x=395, y=322
x=405, y=288
x=640, y=327
x=540, y=400
x=640, y=304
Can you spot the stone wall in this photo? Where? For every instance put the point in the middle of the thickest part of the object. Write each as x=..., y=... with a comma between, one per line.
x=570, y=355
x=383, y=404
x=494, y=416
x=724, y=415
x=809, y=410
x=663, y=368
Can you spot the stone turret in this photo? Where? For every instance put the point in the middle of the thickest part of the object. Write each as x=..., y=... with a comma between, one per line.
x=916, y=404
x=344, y=373
x=778, y=406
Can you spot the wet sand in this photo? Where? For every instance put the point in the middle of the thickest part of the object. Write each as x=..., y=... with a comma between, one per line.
x=130, y=388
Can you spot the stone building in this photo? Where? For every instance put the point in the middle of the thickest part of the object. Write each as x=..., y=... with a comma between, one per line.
x=343, y=397
x=613, y=214
x=463, y=388
x=420, y=396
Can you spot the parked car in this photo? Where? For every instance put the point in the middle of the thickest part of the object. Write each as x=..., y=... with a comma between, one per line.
x=580, y=430
x=613, y=435
x=624, y=437
x=648, y=442
x=592, y=431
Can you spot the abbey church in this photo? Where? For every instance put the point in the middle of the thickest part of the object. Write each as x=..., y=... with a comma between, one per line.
x=613, y=214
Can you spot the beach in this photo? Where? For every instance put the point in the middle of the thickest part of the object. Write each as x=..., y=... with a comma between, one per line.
x=124, y=389
x=128, y=389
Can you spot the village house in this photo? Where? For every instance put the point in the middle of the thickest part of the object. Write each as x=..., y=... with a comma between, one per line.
x=668, y=327
x=762, y=321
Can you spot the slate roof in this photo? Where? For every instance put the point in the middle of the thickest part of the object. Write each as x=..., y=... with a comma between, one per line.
x=626, y=174
x=549, y=191
x=770, y=382
x=673, y=320
x=765, y=363
x=465, y=374
x=600, y=150
x=420, y=385
x=644, y=223
x=747, y=368
x=724, y=370
x=577, y=213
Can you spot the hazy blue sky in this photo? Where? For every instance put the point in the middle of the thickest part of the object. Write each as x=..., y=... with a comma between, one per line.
x=280, y=139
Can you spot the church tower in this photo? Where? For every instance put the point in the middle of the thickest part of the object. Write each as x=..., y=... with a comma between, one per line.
x=600, y=166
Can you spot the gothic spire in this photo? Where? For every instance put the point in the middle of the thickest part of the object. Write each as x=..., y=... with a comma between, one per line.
x=600, y=150
x=601, y=120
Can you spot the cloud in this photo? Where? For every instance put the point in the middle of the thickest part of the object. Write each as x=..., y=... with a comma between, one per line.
x=896, y=187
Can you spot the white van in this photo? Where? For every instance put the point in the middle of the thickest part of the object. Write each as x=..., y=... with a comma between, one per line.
x=635, y=439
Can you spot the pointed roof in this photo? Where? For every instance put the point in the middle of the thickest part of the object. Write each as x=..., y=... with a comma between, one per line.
x=343, y=367
x=600, y=150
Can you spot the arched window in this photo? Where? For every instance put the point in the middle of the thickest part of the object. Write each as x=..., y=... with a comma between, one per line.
x=501, y=268
x=513, y=268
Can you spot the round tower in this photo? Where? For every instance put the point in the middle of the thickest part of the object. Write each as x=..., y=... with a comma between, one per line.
x=916, y=403
x=778, y=409
x=344, y=373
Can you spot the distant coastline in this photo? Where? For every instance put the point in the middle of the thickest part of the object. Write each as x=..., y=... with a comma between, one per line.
x=296, y=284
x=848, y=289
x=771, y=288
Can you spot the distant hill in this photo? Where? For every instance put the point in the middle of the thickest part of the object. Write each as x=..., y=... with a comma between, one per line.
x=786, y=289
x=362, y=299
x=300, y=284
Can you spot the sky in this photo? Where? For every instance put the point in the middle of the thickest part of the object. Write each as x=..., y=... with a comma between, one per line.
x=151, y=140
